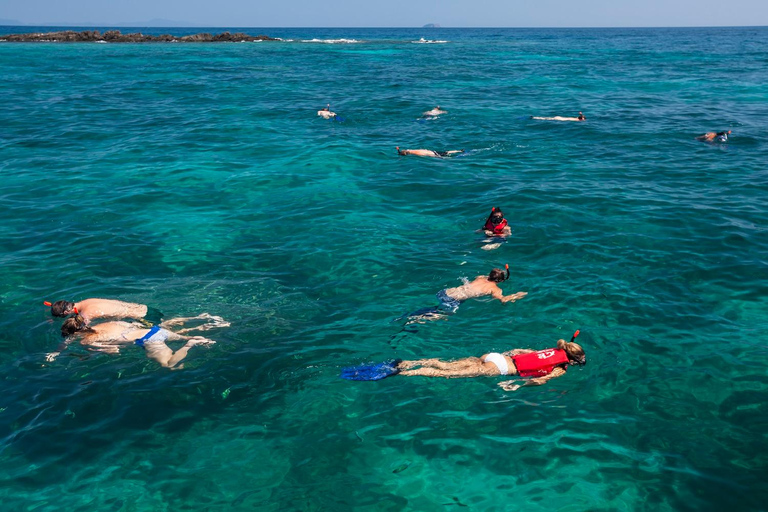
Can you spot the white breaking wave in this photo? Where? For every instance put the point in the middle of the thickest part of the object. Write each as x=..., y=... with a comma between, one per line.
x=331, y=41
x=429, y=41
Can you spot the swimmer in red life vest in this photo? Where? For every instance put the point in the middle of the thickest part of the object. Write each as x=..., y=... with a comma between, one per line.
x=537, y=365
x=496, y=226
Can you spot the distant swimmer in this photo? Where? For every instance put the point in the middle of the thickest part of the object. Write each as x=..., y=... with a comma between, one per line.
x=495, y=227
x=90, y=309
x=326, y=113
x=108, y=337
x=428, y=152
x=580, y=117
x=434, y=112
x=714, y=136
x=539, y=366
x=451, y=298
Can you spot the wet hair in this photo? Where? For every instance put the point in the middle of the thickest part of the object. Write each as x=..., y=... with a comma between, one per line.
x=574, y=351
x=495, y=211
x=74, y=324
x=718, y=134
x=497, y=275
x=581, y=116
x=62, y=308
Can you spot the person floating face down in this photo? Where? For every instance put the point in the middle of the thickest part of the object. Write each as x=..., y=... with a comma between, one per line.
x=428, y=152
x=91, y=309
x=535, y=366
x=714, y=136
x=451, y=298
x=326, y=113
x=108, y=337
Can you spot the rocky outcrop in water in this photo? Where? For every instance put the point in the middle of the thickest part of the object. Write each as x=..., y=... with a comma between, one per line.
x=114, y=36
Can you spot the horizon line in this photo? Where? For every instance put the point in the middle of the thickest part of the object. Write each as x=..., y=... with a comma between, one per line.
x=124, y=25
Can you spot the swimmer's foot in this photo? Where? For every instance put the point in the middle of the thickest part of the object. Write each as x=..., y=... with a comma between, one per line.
x=490, y=247
x=199, y=340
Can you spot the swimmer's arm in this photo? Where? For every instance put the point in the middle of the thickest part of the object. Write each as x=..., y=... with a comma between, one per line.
x=513, y=297
x=557, y=372
x=51, y=356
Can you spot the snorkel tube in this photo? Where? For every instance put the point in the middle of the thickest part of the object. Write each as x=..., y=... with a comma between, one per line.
x=506, y=266
x=50, y=305
x=583, y=359
x=574, y=335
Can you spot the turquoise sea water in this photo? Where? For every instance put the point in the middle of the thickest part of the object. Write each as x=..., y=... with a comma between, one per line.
x=199, y=178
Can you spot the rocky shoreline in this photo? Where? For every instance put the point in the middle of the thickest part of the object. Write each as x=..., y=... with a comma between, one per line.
x=114, y=36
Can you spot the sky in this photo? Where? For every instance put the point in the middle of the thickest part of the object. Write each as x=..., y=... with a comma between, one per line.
x=390, y=13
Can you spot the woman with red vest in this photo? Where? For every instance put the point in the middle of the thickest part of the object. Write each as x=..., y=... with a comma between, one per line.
x=538, y=365
x=495, y=227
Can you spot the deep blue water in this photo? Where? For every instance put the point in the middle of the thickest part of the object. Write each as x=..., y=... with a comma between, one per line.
x=197, y=177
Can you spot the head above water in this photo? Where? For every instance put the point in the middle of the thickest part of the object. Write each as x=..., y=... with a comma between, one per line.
x=720, y=134
x=574, y=351
x=581, y=116
x=496, y=215
x=62, y=308
x=497, y=275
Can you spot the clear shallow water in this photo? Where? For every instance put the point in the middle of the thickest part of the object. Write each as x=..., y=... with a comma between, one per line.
x=198, y=178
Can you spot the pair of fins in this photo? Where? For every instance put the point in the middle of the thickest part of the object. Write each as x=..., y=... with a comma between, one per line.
x=371, y=371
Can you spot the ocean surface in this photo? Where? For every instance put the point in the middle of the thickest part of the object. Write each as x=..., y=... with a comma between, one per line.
x=198, y=178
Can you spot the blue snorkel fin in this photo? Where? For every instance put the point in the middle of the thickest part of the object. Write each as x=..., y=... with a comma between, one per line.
x=371, y=371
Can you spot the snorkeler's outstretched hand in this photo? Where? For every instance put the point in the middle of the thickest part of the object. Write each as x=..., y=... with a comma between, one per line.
x=508, y=385
x=515, y=296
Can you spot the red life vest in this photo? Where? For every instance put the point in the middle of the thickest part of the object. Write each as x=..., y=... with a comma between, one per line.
x=540, y=363
x=497, y=229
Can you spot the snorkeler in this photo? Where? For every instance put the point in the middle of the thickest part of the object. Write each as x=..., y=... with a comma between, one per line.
x=90, y=309
x=451, y=298
x=537, y=365
x=109, y=336
x=495, y=227
x=714, y=136
x=434, y=112
x=427, y=152
x=580, y=117
x=326, y=113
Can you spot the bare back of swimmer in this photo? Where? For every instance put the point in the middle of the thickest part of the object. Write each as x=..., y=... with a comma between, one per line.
x=427, y=152
x=580, y=117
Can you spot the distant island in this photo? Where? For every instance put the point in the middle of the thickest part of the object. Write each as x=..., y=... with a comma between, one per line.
x=114, y=36
x=431, y=25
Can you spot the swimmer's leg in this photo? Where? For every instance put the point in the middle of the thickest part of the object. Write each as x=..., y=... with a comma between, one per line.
x=213, y=323
x=490, y=247
x=476, y=370
x=162, y=353
x=442, y=365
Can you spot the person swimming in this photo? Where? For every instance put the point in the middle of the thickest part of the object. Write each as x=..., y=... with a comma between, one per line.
x=108, y=337
x=537, y=366
x=427, y=152
x=451, y=298
x=91, y=309
x=580, y=117
x=326, y=113
x=434, y=112
x=714, y=136
x=495, y=227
